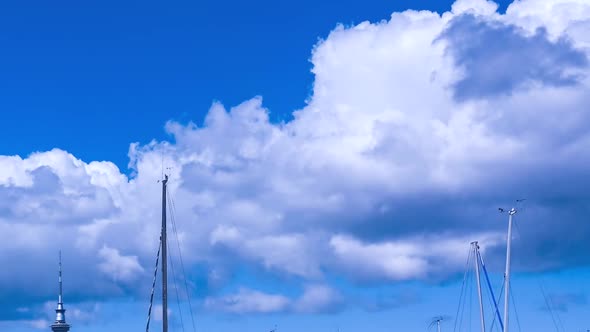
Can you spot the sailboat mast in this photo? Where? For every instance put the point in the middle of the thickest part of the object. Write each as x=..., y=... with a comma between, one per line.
x=476, y=256
x=164, y=260
x=507, y=276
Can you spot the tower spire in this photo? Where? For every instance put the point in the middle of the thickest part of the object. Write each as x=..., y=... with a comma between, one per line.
x=59, y=300
x=60, y=324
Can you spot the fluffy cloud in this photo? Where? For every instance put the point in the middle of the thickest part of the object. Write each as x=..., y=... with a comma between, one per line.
x=314, y=299
x=418, y=128
x=496, y=57
x=413, y=258
x=118, y=267
x=290, y=253
x=39, y=324
x=249, y=301
x=319, y=298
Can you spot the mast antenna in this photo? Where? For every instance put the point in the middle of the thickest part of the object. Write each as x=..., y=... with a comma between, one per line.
x=436, y=321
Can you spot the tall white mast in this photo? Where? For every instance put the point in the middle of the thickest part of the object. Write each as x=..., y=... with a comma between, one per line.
x=476, y=256
x=164, y=260
x=507, y=274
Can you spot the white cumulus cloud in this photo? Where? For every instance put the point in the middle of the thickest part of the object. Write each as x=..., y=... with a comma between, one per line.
x=246, y=301
x=117, y=266
x=416, y=131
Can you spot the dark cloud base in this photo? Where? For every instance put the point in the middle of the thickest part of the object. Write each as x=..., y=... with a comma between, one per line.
x=499, y=58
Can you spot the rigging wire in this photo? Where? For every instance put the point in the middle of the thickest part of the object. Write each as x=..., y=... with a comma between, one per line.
x=548, y=306
x=147, y=326
x=515, y=310
x=554, y=315
x=499, y=297
x=173, y=219
x=176, y=290
x=461, y=294
x=468, y=290
x=491, y=303
x=471, y=302
x=492, y=297
x=489, y=298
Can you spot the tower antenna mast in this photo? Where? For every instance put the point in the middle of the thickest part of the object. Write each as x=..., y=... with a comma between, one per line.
x=60, y=324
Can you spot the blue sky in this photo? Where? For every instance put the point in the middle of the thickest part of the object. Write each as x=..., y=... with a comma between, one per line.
x=330, y=162
x=131, y=67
